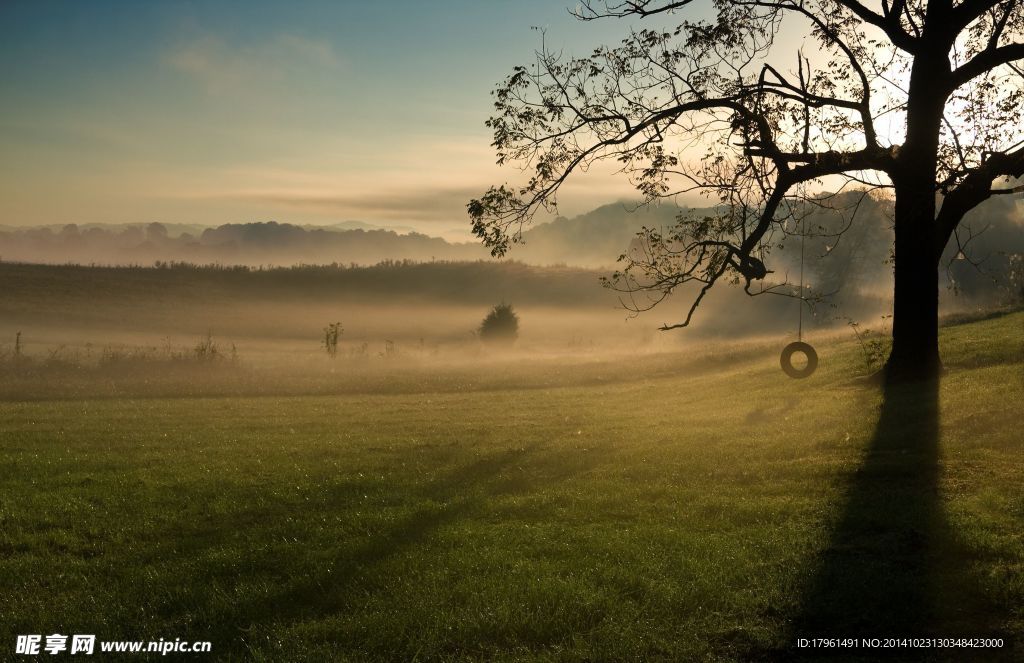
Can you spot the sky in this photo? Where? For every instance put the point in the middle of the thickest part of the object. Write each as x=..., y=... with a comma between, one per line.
x=304, y=112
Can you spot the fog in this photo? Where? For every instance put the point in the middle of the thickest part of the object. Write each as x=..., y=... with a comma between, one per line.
x=424, y=314
x=845, y=240
x=441, y=303
x=277, y=349
x=71, y=329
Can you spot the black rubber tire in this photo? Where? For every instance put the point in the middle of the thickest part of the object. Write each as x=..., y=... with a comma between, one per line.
x=786, y=359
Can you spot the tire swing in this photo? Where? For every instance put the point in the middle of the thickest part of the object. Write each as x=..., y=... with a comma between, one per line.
x=798, y=346
x=786, y=359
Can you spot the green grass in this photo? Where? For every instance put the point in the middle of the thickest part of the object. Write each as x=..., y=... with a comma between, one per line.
x=657, y=508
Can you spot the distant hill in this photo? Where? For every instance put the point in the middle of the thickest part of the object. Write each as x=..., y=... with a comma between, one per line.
x=253, y=244
x=594, y=239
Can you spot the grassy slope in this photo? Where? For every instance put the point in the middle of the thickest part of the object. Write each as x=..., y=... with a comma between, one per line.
x=683, y=516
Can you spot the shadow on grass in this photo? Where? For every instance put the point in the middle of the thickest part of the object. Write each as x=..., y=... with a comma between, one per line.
x=893, y=567
x=461, y=494
x=448, y=498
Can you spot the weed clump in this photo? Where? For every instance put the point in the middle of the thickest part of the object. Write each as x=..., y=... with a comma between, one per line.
x=874, y=348
x=206, y=350
x=331, y=334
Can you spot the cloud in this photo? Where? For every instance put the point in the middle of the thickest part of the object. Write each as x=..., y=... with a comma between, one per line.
x=310, y=51
x=419, y=195
x=221, y=67
x=424, y=204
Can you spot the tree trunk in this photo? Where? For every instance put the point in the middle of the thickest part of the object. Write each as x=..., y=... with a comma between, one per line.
x=915, y=323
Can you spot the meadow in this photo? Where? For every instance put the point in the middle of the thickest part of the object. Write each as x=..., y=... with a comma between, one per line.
x=675, y=502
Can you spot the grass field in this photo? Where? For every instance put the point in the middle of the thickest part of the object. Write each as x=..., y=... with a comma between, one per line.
x=629, y=508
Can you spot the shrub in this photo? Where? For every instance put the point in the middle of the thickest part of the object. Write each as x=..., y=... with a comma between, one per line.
x=500, y=327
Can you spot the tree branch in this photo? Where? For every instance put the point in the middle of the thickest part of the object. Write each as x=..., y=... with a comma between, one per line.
x=985, y=61
x=969, y=11
x=642, y=8
x=890, y=24
x=975, y=188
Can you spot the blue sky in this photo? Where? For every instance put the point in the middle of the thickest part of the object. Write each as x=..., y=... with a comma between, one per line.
x=308, y=112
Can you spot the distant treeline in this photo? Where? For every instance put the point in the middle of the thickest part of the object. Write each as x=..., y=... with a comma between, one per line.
x=243, y=243
x=390, y=281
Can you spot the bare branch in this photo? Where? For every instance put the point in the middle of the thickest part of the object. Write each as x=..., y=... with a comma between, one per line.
x=888, y=24
x=589, y=11
x=975, y=189
x=984, y=62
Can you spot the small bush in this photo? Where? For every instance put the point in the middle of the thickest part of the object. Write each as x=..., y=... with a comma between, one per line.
x=500, y=327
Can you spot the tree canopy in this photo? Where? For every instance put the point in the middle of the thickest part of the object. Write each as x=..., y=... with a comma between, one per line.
x=921, y=99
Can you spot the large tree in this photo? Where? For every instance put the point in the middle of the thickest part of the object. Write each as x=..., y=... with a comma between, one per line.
x=765, y=104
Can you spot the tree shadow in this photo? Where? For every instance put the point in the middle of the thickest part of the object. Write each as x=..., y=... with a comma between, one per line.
x=461, y=494
x=447, y=499
x=893, y=566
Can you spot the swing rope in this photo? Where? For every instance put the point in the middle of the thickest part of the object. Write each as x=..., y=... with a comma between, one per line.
x=798, y=346
x=800, y=319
